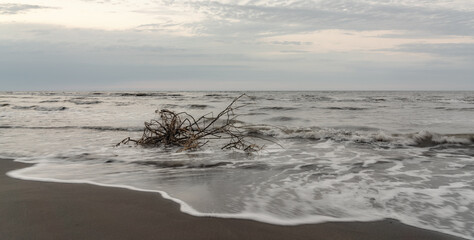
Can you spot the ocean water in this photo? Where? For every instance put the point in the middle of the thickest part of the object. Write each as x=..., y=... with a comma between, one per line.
x=337, y=156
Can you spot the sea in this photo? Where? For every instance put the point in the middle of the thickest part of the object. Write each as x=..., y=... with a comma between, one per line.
x=328, y=156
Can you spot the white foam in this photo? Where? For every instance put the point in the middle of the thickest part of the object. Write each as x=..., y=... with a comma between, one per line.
x=186, y=208
x=262, y=217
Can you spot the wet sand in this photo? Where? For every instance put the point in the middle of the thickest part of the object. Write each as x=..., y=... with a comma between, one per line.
x=42, y=210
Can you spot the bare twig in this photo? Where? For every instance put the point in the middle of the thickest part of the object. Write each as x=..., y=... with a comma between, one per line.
x=184, y=131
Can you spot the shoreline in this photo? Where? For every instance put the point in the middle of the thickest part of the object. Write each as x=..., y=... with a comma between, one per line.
x=50, y=210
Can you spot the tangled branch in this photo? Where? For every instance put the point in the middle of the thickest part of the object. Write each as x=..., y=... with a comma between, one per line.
x=184, y=131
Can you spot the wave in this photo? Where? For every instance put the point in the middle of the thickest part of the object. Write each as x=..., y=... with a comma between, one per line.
x=283, y=119
x=51, y=108
x=40, y=108
x=198, y=106
x=84, y=102
x=277, y=108
x=255, y=114
x=141, y=94
x=183, y=164
x=418, y=139
x=317, y=98
x=346, y=108
x=137, y=94
x=169, y=106
x=469, y=99
x=186, y=208
x=24, y=107
x=376, y=99
x=380, y=99
x=123, y=104
x=333, y=99
x=107, y=128
x=354, y=214
x=460, y=109
x=219, y=96
x=202, y=164
x=98, y=128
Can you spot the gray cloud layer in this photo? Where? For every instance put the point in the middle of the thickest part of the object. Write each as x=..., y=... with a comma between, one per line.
x=300, y=16
x=460, y=50
x=11, y=8
x=227, y=47
x=61, y=58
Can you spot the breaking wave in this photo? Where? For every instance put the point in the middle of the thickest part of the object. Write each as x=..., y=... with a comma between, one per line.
x=98, y=128
x=417, y=139
x=183, y=164
x=84, y=102
x=198, y=106
x=346, y=108
x=155, y=94
x=276, y=109
x=40, y=108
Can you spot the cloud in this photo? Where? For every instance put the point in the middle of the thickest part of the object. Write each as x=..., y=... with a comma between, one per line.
x=12, y=8
x=71, y=59
x=298, y=43
x=461, y=50
x=239, y=44
x=285, y=17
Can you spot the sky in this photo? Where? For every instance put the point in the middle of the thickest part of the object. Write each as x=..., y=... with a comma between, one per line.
x=85, y=45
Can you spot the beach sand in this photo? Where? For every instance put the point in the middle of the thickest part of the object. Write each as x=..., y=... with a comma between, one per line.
x=42, y=210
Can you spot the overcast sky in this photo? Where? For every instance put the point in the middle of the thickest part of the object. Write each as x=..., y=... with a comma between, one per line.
x=237, y=45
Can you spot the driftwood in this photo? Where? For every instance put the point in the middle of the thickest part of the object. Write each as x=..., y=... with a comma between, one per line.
x=186, y=132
